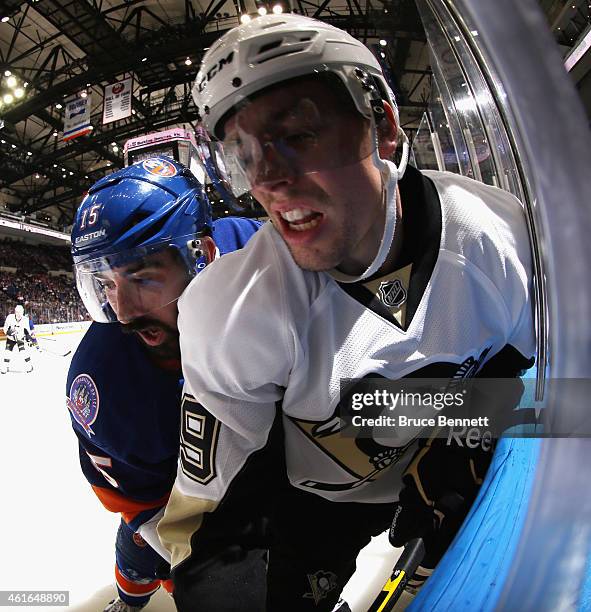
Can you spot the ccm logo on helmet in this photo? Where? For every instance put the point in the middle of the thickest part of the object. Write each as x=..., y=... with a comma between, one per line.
x=214, y=70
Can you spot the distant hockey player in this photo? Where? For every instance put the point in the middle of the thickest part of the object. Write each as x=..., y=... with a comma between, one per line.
x=139, y=237
x=18, y=333
x=32, y=340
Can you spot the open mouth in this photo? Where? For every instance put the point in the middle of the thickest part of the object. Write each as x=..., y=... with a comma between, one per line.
x=301, y=219
x=152, y=336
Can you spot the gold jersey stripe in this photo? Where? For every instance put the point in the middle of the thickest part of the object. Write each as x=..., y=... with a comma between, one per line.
x=182, y=518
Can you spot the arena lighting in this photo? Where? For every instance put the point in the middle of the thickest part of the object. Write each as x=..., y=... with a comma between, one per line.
x=7, y=73
x=29, y=153
x=244, y=18
x=262, y=11
x=188, y=61
x=383, y=42
x=55, y=134
x=58, y=106
x=11, y=81
x=144, y=59
x=83, y=94
x=8, y=98
x=277, y=9
x=115, y=149
x=34, y=229
x=19, y=92
x=4, y=19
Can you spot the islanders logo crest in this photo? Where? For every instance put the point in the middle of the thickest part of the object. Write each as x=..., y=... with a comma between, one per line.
x=159, y=167
x=83, y=402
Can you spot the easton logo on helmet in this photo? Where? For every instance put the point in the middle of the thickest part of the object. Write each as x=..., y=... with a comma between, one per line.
x=159, y=167
x=214, y=70
x=90, y=236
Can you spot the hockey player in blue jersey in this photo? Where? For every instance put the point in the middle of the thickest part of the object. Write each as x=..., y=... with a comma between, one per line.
x=139, y=237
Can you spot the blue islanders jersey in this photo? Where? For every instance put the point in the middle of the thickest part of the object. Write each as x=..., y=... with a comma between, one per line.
x=125, y=410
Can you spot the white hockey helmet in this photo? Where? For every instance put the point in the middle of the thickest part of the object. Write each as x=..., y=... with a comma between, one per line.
x=19, y=311
x=274, y=48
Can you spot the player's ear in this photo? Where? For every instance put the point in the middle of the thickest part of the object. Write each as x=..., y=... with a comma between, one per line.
x=387, y=132
x=208, y=248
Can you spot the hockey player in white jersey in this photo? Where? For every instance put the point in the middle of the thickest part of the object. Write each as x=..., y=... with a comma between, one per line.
x=18, y=333
x=364, y=270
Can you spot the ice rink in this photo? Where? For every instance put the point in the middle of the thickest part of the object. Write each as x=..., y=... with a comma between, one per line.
x=55, y=533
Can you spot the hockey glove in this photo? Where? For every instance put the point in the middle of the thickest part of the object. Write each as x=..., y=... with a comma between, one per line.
x=440, y=485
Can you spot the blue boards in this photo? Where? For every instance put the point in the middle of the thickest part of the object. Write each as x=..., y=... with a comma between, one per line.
x=472, y=573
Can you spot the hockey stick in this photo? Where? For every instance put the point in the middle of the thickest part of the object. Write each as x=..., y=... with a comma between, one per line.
x=403, y=571
x=57, y=353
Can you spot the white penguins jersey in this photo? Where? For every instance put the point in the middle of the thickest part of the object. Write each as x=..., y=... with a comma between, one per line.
x=271, y=337
x=17, y=329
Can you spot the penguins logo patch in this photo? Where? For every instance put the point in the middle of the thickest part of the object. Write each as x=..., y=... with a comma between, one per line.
x=469, y=367
x=392, y=293
x=321, y=583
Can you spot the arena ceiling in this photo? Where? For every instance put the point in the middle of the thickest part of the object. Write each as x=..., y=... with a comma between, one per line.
x=58, y=50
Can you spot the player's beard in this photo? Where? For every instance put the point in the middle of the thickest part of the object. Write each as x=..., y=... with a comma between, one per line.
x=168, y=349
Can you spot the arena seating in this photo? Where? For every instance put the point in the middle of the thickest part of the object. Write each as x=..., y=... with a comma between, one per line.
x=47, y=298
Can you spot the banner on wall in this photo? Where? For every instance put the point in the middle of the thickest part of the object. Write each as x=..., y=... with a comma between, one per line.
x=77, y=118
x=117, y=101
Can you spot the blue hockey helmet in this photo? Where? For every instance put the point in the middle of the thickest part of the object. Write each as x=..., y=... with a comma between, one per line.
x=126, y=223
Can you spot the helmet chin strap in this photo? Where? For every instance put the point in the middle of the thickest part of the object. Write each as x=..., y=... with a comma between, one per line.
x=391, y=174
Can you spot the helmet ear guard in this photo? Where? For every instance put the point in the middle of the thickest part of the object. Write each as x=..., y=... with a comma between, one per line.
x=194, y=248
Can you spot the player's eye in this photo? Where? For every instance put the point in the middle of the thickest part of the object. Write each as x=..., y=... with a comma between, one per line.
x=144, y=281
x=106, y=284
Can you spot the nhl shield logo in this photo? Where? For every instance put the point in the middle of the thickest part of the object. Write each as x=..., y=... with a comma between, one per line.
x=392, y=293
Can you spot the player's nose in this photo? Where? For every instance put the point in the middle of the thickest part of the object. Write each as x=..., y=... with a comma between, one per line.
x=272, y=170
x=127, y=304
